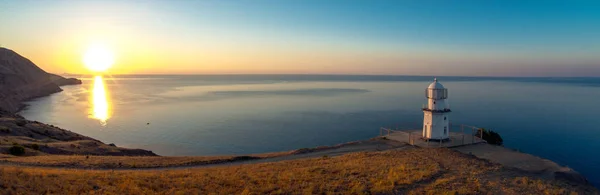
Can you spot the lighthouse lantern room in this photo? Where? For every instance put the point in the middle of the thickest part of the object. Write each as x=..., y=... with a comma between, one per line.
x=436, y=122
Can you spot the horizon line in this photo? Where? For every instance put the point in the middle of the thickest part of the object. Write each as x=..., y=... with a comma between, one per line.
x=317, y=74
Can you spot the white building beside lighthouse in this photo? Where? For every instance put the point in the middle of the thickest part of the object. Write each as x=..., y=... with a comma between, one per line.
x=436, y=122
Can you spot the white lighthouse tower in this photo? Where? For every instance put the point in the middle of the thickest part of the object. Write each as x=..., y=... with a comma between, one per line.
x=436, y=121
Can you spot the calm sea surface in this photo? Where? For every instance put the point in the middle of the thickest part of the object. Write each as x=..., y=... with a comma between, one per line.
x=555, y=118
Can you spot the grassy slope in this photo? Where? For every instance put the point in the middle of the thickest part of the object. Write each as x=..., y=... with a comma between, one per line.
x=416, y=171
x=40, y=139
x=128, y=162
x=115, y=162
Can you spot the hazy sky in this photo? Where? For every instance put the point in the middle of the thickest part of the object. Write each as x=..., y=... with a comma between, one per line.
x=421, y=37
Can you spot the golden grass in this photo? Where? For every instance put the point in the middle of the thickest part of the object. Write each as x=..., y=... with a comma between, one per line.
x=418, y=171
x=116, y=162
x=110, y=162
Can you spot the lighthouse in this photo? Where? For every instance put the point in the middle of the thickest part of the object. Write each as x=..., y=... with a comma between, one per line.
x=435, y=121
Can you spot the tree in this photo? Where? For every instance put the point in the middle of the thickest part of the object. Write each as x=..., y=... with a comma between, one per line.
x=491, y=137
x=17, y=150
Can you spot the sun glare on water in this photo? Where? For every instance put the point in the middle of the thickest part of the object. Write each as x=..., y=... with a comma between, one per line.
x=100, y=105
x=98, y=58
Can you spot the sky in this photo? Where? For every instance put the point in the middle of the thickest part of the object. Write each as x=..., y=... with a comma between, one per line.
x=399, y=37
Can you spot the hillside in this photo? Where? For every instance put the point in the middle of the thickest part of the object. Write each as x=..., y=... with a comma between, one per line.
x=411, y=171
x=21, y=80
x=40, y=139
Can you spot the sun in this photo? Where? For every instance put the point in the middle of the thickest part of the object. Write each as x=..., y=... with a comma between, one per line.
x=98, y=58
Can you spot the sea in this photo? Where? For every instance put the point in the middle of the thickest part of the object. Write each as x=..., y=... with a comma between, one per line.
x=182, y=115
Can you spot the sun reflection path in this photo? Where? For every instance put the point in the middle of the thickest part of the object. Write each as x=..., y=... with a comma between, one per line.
x=100, y=108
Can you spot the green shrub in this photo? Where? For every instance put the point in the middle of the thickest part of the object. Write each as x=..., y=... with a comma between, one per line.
x=17, y=150
x=490, y=136
x=21, y=123
x=241, y=158
x=4, y=129
x=35, y=146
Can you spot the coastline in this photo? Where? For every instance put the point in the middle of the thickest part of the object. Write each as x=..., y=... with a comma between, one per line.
x=56, y=79
x=523, y=161
x=36, y=138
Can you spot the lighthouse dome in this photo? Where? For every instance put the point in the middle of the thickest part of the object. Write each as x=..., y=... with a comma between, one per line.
x=436, y=91
x=435, y=85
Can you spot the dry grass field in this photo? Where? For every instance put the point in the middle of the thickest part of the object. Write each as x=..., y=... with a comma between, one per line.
x=128, y=162
x=415, y=171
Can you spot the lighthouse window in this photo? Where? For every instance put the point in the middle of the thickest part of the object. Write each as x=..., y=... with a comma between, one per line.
x=445, y=131
x=444, y=118
x=433, y=102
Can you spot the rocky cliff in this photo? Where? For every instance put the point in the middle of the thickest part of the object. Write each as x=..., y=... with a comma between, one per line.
x=21, y=80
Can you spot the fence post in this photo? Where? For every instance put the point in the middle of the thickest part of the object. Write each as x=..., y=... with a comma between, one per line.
x=472, y=135
x=462, y=130
x=409, y=136
x=481, y=134
x=440, y=142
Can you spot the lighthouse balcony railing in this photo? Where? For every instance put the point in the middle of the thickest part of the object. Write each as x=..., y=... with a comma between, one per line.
x=458, y=135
